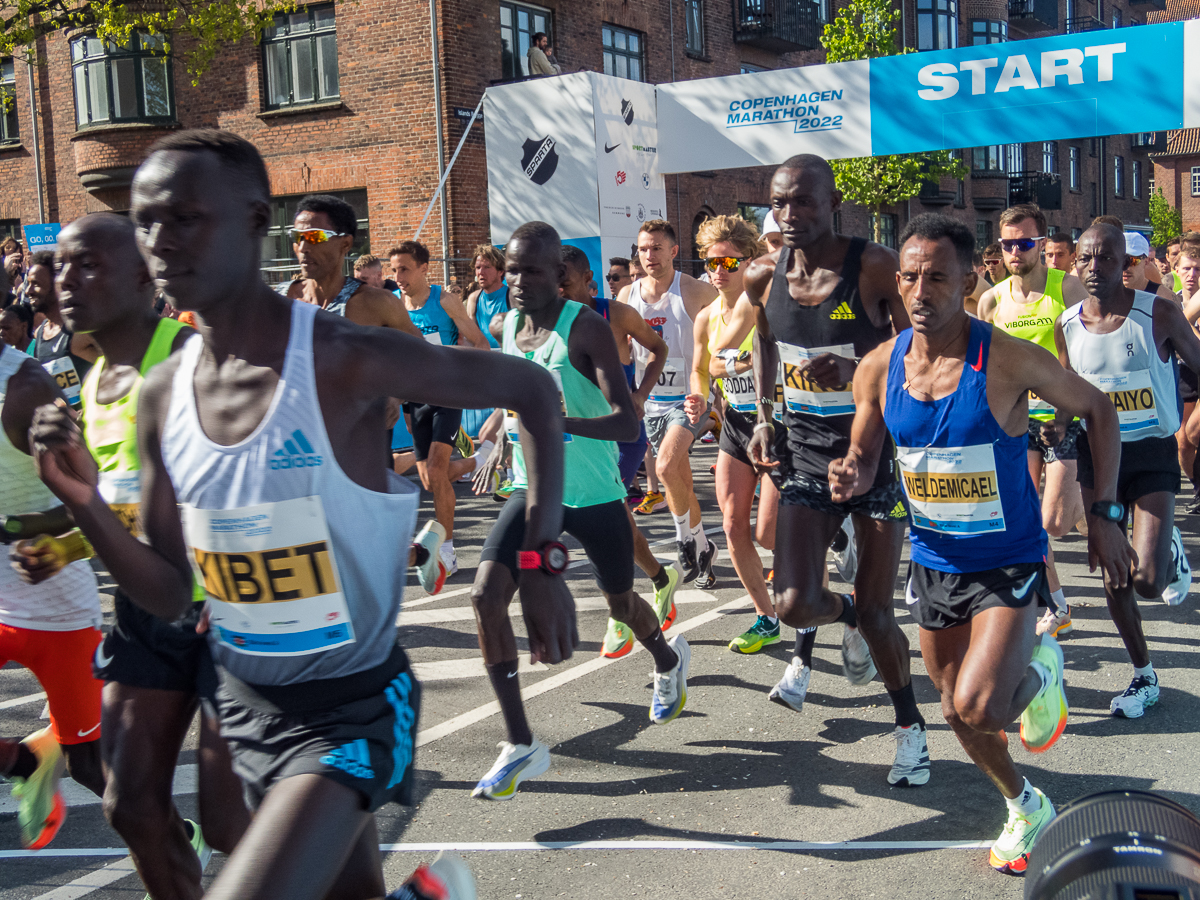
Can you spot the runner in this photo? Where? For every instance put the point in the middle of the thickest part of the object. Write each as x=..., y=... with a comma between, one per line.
x=155, y=672
x=1123, y=341
x=618, y=275
x=818, y=311
x=1140, y=273
x=52, y=628
x=952, y=393
x=269, y=455
x=1027, y=305
x=1059, y=251
x=627, y=326
x=669, y=301
x=64, y=355
x=993, y=263
x=1173, y=248
x=771, y=234
x=369, y=270
x=491, y=299
x=576, y=347
x=1187, y=270
x=443, y=321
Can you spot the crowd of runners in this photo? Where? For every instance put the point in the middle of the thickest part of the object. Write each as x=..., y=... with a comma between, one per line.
x=231, y=463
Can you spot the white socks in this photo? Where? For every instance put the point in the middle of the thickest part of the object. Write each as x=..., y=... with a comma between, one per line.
x=699, y=536
x=1059, y=599
x=482, y=453
x=1025, y=802
x=681, y=527
x=1146, y=671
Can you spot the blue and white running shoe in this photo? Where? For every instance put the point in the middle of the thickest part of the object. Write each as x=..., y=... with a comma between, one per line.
x=670, y=688
x=515, y=763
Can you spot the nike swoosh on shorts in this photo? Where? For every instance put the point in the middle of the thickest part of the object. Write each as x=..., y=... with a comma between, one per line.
x=1020, y=592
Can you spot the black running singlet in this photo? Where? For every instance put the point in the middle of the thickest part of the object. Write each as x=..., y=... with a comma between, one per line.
x=56, y=358
x=818, y=419
x=337, y=305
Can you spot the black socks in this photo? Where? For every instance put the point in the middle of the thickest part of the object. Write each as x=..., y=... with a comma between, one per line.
x=420, y=554
x=906, y=707
x=848, y=616
x=507, y=686
x=665, y=658
x=805, y=638
x=660, y=580
x=16, y=760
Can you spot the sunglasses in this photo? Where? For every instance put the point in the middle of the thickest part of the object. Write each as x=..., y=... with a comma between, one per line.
x=728, y=263
x=613, y=278
x=1020, y=245
x=313, y=235
x=992, y=262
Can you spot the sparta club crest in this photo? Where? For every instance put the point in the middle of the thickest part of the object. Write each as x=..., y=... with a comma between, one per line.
x=539, y=159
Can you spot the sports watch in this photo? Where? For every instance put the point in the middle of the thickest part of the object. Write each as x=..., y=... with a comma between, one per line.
x=552, y=558
x=1110, y=510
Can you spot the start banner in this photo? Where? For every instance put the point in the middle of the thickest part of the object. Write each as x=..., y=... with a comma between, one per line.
x=1119, y=81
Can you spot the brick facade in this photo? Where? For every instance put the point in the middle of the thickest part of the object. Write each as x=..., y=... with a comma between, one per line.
x=380, y=136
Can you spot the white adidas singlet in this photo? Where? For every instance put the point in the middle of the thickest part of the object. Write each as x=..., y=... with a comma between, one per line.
x=69, y=600
x=1126, y=366
x=304, y=569
x=669, y=318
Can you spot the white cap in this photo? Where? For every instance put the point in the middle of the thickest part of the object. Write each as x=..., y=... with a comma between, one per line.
x=770, y=226
x=1136, y=244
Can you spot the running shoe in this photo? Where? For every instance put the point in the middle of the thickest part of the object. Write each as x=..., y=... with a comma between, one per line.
x=1010, y=852
x=41, y=809
x=448, y=560
x=707, y=580
x=515, y=763
x=664, y=598
x=203, y=851
x=761, y=634
x=446, y=878
x=670, y=688
x=793, y=686
x=686, y=554
x=1141, y=694
x=1045, y=717
x=1178, y=589
x=618, y=640
x=652, y=501
x=771, y=576
x=846, y=559
x=857, y=665
x=1055, y=622
x=432, y=573
x=709, y=438
x=503, y=492
x=911, y=766
x=634, y=498
x=463, y=444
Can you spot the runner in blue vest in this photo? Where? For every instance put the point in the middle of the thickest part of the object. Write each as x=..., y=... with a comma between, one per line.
x=954, y=393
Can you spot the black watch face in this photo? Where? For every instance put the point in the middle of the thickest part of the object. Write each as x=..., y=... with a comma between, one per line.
x=1111, y=511
x=556, y=558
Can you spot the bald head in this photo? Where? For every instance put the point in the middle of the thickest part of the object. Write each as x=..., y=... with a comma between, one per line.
x=804, y=197
x=817, y=167
x=101, y=278
x=116, y=234
x=1100, y=259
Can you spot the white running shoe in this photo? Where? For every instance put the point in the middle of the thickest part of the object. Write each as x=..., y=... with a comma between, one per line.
x=847, y=559
x=857, y=664
x=449, y=560
x=1178, y=589
x=793, y=686
x=432, y=574
x=670, y=688
x=447, y=877
x=1141, y=694
x=515, y=763
x=911, y=767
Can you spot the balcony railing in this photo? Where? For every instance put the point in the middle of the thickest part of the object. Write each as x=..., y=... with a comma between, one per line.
x=780, y=26
x=1035, y=187
x=1032, y=15
x=1078, y=24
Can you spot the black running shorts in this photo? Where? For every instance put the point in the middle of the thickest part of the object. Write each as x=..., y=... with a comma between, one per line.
x=359, y=730
x=145, y=651
x=886, y=502
x=945, y=599
x=1064, y=451
x=603, y=531
x=1148, y=466
x=737, y=432
x=431, y=425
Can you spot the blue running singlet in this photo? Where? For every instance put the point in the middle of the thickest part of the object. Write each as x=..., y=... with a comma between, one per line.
x=435, y=323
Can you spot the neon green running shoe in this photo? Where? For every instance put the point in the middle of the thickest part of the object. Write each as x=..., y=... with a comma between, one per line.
x=503, y=492
x=1045, y=717
x=618, y=640
x=203, y=851
x=1010, y=852
x=463, y=444
x=664, y=599
x=41, y=809
x=760, y=634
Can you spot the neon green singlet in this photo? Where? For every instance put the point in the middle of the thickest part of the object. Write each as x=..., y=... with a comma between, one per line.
x=590, y=473
x=1033, y=322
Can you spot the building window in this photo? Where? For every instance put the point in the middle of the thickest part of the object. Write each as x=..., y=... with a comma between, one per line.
x=10, y=228
x=937, y=24
x=988, y=31
x=279, y=260
x=887, y=229
x=622, y=53
x=1014, y=157
x=1076, y=233
x=1196, y=181
x=749, y=69
x=1137, y=179
x=122, y=84
x=1118, y=176
x=986, y=159
x=693, y=17
x=9, y=126
x=301, y=57
x=823, y=11
x=1116, y=18
x=983, y=233
x=1073, y=175
x=519, y=22
x=1049, y=157
x=754, y=213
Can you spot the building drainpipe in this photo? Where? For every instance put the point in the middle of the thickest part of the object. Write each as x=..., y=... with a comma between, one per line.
x=437, y=111
x=37, y=147
x=671, y=25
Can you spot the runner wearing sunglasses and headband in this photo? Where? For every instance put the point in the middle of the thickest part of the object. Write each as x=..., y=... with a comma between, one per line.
x=1138, y=269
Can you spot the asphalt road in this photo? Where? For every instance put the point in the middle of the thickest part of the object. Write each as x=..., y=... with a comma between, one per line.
x=629, y=809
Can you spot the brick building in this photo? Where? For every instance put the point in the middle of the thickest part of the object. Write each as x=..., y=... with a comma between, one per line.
x=341, y=98
x=1177, y=165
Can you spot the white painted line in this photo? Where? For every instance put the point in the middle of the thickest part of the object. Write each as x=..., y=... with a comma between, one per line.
x=582, y=604
x=77, y=795
x=87, y=851
x=92, y=881
x=21, y=701
x=468, y=667
x=408, y=604
x=459, y=722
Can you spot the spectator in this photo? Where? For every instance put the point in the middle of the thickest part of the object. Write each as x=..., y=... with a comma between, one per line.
x=635, y=265
x=16, y=326
x=1060, y=252
x=770, y=231
x=993, y=262
x=541, y=57
x=618, y=275
x=369, y=270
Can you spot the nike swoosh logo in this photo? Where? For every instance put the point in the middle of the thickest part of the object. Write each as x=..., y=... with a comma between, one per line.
x=102, y=660
x=512, y=675
x=89, y=731
x=608, y=149
x=909, y=597
x=1020, y=592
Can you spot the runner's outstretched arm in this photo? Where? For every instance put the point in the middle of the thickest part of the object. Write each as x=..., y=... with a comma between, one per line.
x=855, y=472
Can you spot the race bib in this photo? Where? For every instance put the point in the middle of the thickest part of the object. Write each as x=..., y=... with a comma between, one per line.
x=64, y=374
x=952, y=490
x=672, y=384
x=1133, y=395
x=739, y=391
x=1037, y=405
x=270, y=576
x=433, y=337
x=803, y=396
x=122, y=491
x=512, y=421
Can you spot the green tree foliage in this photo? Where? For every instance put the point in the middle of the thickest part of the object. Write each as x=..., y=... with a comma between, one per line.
x=206, y=25
x=1165, y=219
x=866, y=29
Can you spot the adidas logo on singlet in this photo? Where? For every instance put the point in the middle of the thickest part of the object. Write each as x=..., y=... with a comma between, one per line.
x=843, y=311
x=296, y=453
x=352, y=758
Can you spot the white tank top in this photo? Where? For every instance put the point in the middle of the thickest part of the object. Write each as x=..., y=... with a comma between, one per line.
x=1126, y=366
x=69, y=600
x=669, y=318
x=304, y=569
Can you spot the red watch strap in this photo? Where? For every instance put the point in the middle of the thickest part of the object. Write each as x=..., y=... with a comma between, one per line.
x=529, y=559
